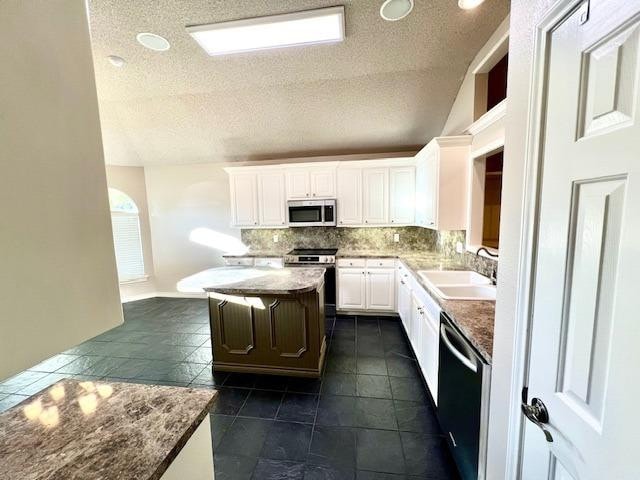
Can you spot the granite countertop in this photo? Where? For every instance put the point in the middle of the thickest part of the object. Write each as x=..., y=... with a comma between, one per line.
x=79, y=430
x=252, y=281
x=258, y=254
x=475, y=319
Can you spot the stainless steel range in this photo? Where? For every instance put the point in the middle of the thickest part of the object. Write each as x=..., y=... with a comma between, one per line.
x=325, y=257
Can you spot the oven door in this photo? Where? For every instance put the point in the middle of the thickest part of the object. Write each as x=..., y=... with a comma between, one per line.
x=305, y=214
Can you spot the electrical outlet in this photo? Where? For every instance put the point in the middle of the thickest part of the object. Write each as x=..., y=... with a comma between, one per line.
x=459, y=247
x=276, y=239
x=396, y=237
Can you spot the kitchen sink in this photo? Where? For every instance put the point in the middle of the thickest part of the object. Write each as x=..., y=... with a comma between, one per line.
x=453, y=277
x=459, y=284
x=466, y=292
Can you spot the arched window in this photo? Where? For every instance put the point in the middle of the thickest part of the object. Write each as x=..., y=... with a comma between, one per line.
x=126, y=236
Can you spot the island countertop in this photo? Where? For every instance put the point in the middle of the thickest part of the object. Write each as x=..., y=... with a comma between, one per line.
x=99, y=430
x=253, y=281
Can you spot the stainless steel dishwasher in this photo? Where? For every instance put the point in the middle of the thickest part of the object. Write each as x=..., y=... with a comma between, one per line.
x=463, y=400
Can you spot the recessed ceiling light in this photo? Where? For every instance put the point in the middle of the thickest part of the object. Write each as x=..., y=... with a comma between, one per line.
x=153, y=41
x=469, y=4
x=116, y=61
x=324, y=25
x=394, y=10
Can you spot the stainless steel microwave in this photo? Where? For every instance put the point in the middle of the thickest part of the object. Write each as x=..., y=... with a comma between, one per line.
x=311, y=213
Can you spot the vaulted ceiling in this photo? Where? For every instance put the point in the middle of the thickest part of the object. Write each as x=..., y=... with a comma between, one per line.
x=388, y=87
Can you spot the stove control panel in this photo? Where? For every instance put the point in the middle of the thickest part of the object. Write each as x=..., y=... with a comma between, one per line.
x=310, y=259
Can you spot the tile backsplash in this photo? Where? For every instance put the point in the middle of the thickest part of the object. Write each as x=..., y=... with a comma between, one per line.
x=413, y=240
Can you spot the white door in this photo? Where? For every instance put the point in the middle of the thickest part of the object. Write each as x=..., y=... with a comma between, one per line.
x=323, y=182
x=431, y=190
x=271, y=199
x=402, y=195
x=585, y=345
x=381, y=289
x=349, y=199
x=351, y=288
x=244, y=204
x=375, y=183
x=298, y=183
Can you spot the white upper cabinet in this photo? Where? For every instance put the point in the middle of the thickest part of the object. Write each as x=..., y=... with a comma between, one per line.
x=402, y=181
x=349, y=198
x=298, y=185
x=311, y=182
x=271, y=199
x=244, y=200
x=441, y=183
x=375, y=198
x=323, y=182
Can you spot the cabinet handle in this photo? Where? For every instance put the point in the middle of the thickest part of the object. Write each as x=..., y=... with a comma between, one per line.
x=402, y=282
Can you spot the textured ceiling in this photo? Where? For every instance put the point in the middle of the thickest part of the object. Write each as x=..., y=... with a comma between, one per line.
x=388, y=87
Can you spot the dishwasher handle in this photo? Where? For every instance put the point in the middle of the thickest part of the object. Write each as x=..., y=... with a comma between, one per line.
x=465, y=360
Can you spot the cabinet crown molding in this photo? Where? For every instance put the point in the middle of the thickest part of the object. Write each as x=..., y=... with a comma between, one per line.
x=485, y=121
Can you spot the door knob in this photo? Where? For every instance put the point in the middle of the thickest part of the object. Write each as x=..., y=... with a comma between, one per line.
x=536, y=413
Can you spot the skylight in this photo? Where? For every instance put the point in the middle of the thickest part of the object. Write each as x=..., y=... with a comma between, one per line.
x=324, y=25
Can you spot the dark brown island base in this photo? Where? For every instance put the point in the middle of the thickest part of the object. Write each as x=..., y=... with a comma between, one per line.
x=266, y=320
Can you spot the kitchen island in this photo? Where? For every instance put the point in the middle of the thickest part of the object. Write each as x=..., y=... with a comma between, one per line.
x=266, y=320
x=85, y=430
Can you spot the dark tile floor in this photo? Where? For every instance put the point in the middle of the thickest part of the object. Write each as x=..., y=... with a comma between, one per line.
x=368, y=418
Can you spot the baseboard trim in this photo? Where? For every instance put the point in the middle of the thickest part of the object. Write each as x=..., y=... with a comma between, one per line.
x=144, y=296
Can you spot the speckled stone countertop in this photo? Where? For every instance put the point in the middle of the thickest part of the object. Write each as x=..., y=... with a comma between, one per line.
x=258, y=254
x=475, y=319
x=251, y=281
x=78, y=430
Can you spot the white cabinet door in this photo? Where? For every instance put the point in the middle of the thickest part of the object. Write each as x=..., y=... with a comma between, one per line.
x=381, y=293
x=404, y=301
x=376, y=195
x=402, y=182
x=323, y=182
x=298, y=183
x=431, y=191
x=271, y=199
x=244, y=200
x=429, y=351
x=351, y=288
x=349, y=199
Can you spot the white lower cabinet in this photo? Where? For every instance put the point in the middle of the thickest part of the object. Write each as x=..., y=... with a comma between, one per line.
x=363, y=287
x=352, y=288
x=404, y=298
x=420, y=315
x=381, y=290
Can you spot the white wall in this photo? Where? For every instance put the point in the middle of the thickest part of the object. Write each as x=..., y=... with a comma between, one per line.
x=525, y=14
x=58, y=285
x=182, y=198
x=461, y=114
x=131, y=181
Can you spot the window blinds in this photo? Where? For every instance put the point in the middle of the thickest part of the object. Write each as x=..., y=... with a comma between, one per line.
x=128, y=246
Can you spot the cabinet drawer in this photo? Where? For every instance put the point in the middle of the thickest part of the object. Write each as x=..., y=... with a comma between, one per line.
x=381, y=262
x=269, y=262
x=351, y=262
x=246, y=262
